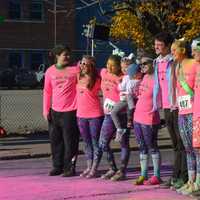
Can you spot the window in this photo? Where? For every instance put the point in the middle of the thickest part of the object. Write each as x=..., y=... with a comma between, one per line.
x=36, y=59
x=14, y=9
x=15, y=60
x=36, y=10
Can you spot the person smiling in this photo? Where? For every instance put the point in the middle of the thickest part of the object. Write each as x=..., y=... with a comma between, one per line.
x=59, y=108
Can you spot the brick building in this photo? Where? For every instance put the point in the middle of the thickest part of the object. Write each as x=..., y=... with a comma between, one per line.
x=28, y=31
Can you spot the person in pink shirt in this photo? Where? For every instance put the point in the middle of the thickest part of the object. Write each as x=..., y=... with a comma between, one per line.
x=196, y=113
x=163, y=87
x=111, y=77
x=89, y=113
x=59, y=108
x=185, y=73
x=146, y=123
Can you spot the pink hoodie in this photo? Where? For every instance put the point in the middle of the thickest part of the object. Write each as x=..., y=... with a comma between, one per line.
x=59, y=91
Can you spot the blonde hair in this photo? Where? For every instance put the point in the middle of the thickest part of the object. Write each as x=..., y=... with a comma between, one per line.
x=183, y=45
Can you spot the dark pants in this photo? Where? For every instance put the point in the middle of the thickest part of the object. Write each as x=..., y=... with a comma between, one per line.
x=64, y=138
x=180, y=164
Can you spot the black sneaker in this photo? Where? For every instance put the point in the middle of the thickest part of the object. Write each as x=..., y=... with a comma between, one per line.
x=68, y=173
x=55, y=172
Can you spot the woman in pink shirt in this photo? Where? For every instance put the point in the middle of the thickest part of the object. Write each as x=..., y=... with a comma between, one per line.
x=59, y=108
x=196, y=111
x=146, y=121
x=185, y=73
x=111, y=76
x=89, y=113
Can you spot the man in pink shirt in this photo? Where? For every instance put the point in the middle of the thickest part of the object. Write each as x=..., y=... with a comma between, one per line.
x=59, y=108
x=163, y=86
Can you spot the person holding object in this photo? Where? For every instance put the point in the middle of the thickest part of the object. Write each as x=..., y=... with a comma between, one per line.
x=128, y=94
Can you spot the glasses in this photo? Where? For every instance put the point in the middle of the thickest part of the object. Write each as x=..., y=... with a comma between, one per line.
x=85, y=64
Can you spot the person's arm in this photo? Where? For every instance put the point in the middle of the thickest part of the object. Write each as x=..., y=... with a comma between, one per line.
x=47, y=94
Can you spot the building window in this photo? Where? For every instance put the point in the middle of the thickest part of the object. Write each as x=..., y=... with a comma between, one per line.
x=14, y=9
x=36, y=10
x=15, y=60
x=37, y=58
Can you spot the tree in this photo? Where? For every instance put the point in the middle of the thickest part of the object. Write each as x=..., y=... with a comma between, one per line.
x=140, y=20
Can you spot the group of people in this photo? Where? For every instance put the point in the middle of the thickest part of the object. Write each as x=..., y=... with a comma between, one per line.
x=132, y=96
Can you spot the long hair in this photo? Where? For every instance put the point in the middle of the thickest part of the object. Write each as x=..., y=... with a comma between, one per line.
x=93, y=74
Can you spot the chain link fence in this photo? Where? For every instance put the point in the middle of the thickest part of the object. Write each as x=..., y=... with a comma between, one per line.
x=21, y=111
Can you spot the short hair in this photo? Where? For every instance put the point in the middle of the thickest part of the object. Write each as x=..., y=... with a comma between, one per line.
x=58, y=49
x=164, y=37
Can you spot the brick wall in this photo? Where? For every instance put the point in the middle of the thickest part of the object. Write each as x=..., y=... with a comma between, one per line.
x=35, y=34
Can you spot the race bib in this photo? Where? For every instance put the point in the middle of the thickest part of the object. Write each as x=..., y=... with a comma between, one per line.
x=184, y=102
x=108, y=106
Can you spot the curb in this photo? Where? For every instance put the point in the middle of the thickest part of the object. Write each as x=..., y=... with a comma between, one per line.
x=46, y=155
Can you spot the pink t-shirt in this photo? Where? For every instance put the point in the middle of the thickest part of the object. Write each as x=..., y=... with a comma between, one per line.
x=88, y=101
x=162, y=68
x=109, y=86
x=196, y=105
x=60, y=89
x=143, y=112
x=185, y=102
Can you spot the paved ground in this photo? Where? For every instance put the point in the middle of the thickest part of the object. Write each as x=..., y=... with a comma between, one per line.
x=27, y=179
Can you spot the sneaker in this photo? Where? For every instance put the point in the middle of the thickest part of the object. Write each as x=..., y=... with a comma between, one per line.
x=119, y=134
x=169, y=183
x=178, y=184
x=108, y=174
x=140, y=180
x=154, y=180
x=194, y=187
x=68, y=173
x=118, y=176
x=92, y=174
x=55, y=172
x=85, y=172
x=184, y=187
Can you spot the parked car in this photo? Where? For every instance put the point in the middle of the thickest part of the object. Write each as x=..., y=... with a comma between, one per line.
x=26, y=78
x=7, y=78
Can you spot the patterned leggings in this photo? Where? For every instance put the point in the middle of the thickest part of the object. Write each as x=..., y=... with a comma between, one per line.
x=146, y=136
x=90, y=131
x=185, y=128
x=107, y=132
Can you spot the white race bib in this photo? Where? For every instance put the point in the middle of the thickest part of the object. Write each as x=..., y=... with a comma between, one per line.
x=184, y=102
x=108, y=106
